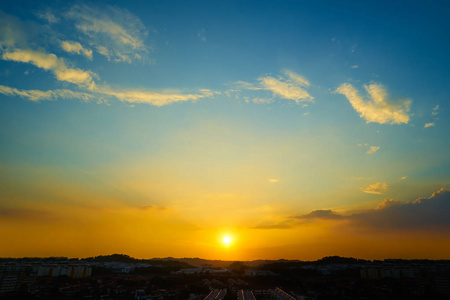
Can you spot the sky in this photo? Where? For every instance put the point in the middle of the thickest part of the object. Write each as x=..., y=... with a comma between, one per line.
x=289, y=129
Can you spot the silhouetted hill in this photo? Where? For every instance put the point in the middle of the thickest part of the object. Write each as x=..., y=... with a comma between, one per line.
x=186, y=262
x=334, y=260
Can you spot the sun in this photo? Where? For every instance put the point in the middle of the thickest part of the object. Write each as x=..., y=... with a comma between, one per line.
x=226, y=240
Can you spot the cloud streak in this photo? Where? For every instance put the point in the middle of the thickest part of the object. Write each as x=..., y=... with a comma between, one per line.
x=379, y=108
x=37, y=95
x=291, y=86
x=156, y=98
x=75, y=47
x=326, y=214
x=51, y=62
x=373, y=149
x=376, y=188
x=434, y=117
x=102, y=94
x=113, y=32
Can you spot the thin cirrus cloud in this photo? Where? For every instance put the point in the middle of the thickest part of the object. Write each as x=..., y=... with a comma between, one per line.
x=37, y=95
x=83, y=79
x=373, y=149
x=12, y=31
x=48, y=16
x=291, y=86
x=76, y=47
x=379, y=108
x=156, y=98
x=434, y=116
x=51, y=62
x=103, y=95
x=115, y=33
x=376, y=188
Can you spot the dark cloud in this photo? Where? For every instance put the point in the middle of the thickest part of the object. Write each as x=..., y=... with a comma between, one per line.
x=152, y=207
x=320, y=214
x=18, y=213
x=387, y=203
x=283, y=225
x=423, y=214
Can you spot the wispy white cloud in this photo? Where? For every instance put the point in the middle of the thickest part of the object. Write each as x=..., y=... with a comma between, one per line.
x=261, y=101
x=47, y=15
x=435, y=110
x=376, y=188
x=76, y=47
x=12, y=31
x=102, y=94
x=84, y=79
x=155, y=98
x=51, y=62
x=245, y=85
x=379, y=109
x=113, y=32
x=293, y=87
x=37, y=95
x=434, y=117
x=373, y=149
x=296, y=78
x=201, y=34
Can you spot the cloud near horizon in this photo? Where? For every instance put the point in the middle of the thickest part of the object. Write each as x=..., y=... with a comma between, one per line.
x=379, y=109
x=423, y=214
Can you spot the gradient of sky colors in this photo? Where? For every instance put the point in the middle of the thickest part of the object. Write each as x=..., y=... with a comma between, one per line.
x=300, y=129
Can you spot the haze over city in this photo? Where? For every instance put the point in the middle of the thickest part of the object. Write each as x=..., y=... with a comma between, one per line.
x=231, y=130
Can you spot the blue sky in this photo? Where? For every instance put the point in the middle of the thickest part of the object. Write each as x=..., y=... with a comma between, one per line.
x=227, y=116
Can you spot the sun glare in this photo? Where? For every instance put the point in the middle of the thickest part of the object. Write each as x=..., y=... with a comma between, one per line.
x=226, y=240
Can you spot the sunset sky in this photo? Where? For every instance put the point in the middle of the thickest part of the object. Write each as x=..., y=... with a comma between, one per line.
x=296, y=129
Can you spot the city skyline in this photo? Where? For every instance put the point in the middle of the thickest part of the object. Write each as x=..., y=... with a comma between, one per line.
x=233, y=130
